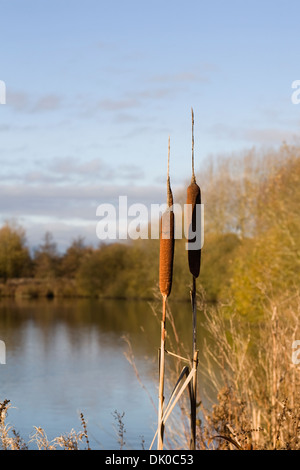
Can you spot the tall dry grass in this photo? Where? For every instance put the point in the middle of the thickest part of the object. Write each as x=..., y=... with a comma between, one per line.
x=257, y=370
x=249, y=386
x=11, y=440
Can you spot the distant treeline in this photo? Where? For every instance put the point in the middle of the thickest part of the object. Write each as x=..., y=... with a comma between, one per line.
x=251, y=247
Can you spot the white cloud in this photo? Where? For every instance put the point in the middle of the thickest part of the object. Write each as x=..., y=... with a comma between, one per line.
x=201, y=75
x=68, y=210
x=21, y=101
x=70, y=201
x=118, y=104
x=47, y=103
x=254, y=135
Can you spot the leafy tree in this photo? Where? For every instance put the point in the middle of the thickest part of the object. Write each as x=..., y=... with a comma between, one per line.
x=100, y=269
x=14, y=254
x=268, y=266
x=46, y=258
x=74, y=256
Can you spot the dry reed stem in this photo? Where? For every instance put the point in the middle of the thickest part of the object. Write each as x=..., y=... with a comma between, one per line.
x=166, y=257
x=130, y=358
x=193, y=146
x=160, y=428
x=194, y=260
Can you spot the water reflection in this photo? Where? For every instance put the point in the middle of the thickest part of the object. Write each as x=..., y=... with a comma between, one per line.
x=67, y=356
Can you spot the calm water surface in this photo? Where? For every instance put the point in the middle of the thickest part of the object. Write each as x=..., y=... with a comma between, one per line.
x=64, y=357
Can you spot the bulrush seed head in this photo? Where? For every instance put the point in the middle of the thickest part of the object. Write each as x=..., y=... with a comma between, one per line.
x=167, y=242
x=193, y=198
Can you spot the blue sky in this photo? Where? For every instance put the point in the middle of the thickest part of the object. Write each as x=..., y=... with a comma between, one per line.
x=95, y=88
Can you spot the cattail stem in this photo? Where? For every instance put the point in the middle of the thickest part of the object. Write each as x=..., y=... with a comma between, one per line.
x=195, y=366
x=160, y=435
x=193, y=142
x=194, y=309
x=194, y=259
x=166, y=256
x=169, y=191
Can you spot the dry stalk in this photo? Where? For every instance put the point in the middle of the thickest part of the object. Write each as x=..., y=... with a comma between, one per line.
x=194, y=260
x=166, y=257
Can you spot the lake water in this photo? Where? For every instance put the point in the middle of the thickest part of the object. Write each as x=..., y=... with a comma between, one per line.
x=64, y=357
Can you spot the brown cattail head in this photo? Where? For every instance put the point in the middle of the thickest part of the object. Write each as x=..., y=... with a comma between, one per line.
x=167, y=242
x=166, y=253
x=193, y=198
